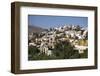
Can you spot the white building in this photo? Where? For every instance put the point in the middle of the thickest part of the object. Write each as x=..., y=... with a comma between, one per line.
x=80, y=48
x=44, y=49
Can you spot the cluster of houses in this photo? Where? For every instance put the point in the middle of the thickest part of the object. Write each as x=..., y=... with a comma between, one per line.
x=46, y=40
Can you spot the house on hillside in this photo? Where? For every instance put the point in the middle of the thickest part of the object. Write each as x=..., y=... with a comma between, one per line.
x=44, y=49
x=80, y=48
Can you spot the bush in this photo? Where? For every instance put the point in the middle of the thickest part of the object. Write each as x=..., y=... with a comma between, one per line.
x=75, y=55
x=64, y=50
x=32, y=50
x=85, y=54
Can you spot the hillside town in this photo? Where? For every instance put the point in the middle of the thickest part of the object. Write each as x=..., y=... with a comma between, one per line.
x=45, y=41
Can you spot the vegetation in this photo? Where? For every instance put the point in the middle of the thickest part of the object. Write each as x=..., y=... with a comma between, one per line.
x=62, y=50
x=32, y=52
x=83, y=42
x=85, y=54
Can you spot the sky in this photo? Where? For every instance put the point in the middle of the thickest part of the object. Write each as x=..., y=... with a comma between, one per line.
x=56, y=21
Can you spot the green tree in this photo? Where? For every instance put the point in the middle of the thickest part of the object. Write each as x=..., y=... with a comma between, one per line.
x=64, y=50
x=32, y=50
x=75, y=55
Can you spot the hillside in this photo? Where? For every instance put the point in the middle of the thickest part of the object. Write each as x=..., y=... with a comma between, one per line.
x=35, y=29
